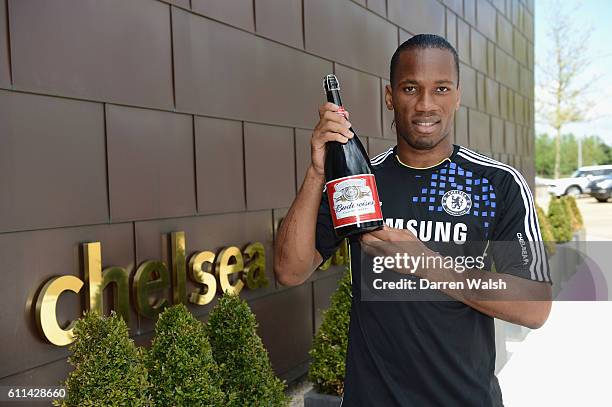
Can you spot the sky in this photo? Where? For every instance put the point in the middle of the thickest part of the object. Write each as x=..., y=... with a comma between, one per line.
x=598, y=15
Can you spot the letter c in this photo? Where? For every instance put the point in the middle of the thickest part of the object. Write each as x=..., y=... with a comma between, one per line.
x=46, y=304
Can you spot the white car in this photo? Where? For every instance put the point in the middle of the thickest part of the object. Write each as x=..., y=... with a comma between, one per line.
x=578, y=183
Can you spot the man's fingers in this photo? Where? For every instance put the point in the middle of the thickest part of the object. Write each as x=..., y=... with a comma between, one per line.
x=327, y=107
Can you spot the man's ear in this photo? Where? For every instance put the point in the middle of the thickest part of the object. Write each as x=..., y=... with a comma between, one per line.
x=388, y=97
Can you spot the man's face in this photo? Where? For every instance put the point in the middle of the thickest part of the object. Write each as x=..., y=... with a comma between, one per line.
x=424, y=96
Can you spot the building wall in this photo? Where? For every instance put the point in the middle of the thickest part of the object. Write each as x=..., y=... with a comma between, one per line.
x=123, y=121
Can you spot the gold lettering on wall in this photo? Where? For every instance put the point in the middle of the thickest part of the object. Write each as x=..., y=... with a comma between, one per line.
x=46, y=304
x=179, y=294
x=97, y=280
x=229, y=270
x=151, y=277
x=229, y=261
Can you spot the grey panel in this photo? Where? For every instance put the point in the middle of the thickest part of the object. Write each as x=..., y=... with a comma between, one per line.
x=461, y=127
x=280, y=20
x=361, y=97
x=463, y=41
x=182, y=3
x=302, y=155
x=491, y=58
x=469, y=11
x=504, y=34
x=503, y=102
x=510, y=137
x=270, y=166
x=345, y=32
x=497, y=135
x=480, y=131
x=52, y=161
x=378, y=6
x=492, y=97
x=5, y=76
x=378, y=145
x=417, y=16
x=150, y=163
x=479, y=51
x=324, y=288
x=481, y=92
x=234, y=12
x=220, y=165
x=485, y=17
x=468, y=86
x=289, y=312
x=451, y=28
x=29, y=259
x=224, y=72
x=455, y=5
x=110, y=50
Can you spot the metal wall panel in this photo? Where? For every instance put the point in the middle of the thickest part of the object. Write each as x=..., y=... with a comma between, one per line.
x=269, y=162
x=51, y=161
x=219, y=165
x=112, y=50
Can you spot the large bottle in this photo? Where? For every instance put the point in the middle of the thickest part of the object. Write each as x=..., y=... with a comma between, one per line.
x=349, y=179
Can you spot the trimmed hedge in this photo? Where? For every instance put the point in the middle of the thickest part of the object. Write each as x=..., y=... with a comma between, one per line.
x=243, y=361
x=329, y=349
x=546, y=231
x=109, y=369
x=182, y=370
x=571, y=207
x=559, y=221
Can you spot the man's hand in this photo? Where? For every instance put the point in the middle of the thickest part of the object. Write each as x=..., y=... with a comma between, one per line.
x=530, y=313
x=389, y=241
x=333, y=125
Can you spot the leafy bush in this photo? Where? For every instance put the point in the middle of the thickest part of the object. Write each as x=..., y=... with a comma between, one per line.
x=108, y=369
x=241, y=355
x=546, y=231
x=328, y=353
x=181, y=367
x=560, y=221
x=574, y=213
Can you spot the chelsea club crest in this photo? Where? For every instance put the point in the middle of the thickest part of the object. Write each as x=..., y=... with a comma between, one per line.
x=456, y=203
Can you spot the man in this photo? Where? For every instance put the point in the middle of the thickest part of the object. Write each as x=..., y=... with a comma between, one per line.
x=424, y=353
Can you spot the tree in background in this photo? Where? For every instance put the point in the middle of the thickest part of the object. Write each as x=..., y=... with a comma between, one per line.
x=594, y=152
x=560, y=99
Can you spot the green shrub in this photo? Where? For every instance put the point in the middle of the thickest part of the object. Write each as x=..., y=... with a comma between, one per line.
x=574, y=213
x=241, y=355
x=108, y=369
x=546, y=231
x=560, y=221
x=329, y=349
x=181, y=367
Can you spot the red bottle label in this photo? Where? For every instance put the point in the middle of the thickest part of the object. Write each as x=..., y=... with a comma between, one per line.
x=353, y=200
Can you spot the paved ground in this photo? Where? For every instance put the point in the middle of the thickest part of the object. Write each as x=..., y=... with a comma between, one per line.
x=567, y=362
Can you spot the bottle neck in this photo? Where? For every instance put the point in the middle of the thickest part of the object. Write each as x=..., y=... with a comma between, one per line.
x=333, y=96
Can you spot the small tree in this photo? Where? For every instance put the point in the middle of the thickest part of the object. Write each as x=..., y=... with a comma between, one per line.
x=546, y=231
x=181, y=367
x=559, y=220
x=109, y=369
x=241, y=356
x=574, y=213
x=328, y=353
x=560, y=98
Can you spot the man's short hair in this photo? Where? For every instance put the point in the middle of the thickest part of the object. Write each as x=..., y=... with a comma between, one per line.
x=423, y=41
